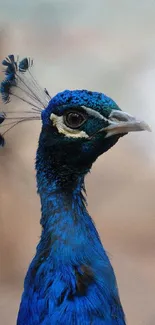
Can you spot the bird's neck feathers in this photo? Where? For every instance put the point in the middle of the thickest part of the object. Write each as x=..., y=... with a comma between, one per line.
x=67, y=228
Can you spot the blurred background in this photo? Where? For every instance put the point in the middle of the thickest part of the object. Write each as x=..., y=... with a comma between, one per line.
x=101, y=45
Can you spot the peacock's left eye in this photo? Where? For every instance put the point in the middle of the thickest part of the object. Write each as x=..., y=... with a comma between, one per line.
x=74, y=119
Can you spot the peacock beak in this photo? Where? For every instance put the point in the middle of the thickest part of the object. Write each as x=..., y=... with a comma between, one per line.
x=121, y=122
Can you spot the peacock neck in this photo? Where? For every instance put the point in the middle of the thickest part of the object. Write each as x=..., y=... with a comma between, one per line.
x=70, y=269
x=66, y=225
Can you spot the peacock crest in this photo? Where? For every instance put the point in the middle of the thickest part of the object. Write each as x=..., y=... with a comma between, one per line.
x=19, y=83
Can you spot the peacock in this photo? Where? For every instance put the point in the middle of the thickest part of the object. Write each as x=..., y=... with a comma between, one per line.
x=70, y=280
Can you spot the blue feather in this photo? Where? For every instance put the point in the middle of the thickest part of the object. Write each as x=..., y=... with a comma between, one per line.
x=2, y=141
x=2, y=117
x=5, y=90
x=11, y=57
x=10, y=64
x=24, y=65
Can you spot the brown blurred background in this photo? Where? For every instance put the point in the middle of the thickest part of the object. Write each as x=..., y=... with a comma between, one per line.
x=102, y=45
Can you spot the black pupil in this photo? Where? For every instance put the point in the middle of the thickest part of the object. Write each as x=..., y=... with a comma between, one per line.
x=74, y=119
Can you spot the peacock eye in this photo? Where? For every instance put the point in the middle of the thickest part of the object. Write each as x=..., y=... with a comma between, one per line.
x=74, y=119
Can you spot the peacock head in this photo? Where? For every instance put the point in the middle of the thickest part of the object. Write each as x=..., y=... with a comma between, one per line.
x=80, y=125
x=77, y=125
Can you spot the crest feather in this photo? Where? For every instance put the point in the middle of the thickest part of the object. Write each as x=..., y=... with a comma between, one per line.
x=20, y=83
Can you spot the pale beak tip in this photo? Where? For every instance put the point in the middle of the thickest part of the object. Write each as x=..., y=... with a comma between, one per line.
x=145, y=127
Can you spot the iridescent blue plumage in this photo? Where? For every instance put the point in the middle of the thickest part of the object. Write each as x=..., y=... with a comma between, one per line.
x=70, y=280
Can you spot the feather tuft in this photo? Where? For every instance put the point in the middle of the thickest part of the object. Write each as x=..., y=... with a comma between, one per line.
x=20, y=83
x=18, y=77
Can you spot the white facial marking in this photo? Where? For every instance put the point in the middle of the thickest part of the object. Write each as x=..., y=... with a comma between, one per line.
x=62, y=128
x=94, y=113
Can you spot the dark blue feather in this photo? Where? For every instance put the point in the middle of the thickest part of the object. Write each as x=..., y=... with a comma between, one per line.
x=11, y=57
x=24, y=65
x=5, y=90
x=2, y=117
x=2, y=141
x=11, y=65
x=5, y=62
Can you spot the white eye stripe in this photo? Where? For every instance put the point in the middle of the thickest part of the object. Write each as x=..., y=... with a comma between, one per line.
x=62, y=128
x=94, y=113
